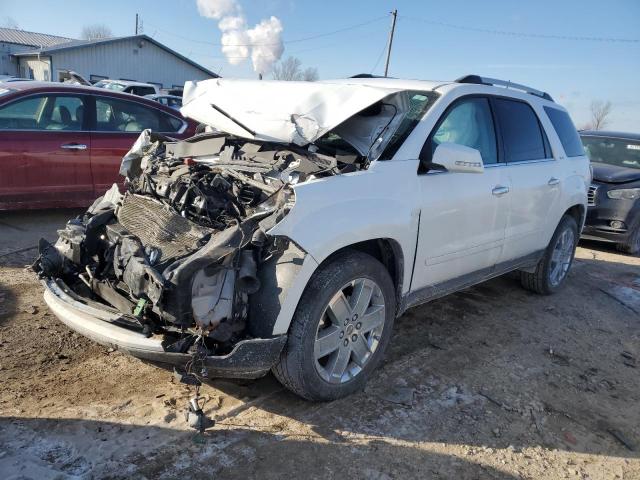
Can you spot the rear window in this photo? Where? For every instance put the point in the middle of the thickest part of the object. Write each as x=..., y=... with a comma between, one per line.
x=566, y=131
x=118, y=115
x=521, y=132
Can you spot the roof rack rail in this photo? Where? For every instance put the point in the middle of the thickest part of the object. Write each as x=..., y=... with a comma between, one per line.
x=503, y=83
x=366, y=75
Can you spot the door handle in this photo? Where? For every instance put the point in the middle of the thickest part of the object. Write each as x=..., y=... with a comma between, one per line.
x=499, y=190
x=553, y=181
x=74, y=146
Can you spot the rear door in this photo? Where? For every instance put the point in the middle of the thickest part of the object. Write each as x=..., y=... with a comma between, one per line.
x=533, y=174
x=45, y=152
x=117, y=123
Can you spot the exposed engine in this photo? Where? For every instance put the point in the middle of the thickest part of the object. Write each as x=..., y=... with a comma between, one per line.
x=178, y=252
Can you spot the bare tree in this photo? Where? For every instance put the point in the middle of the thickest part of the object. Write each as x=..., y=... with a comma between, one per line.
x=291, y=69
x=600, y=112
x=10, y=22
x=288, y=69
x=310, y=74
x=95, y=32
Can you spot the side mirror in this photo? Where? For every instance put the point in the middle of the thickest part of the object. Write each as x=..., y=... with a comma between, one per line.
x=458, y=158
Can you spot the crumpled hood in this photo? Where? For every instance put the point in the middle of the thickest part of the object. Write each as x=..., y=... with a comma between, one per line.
x=603, y=172
x=277, y=111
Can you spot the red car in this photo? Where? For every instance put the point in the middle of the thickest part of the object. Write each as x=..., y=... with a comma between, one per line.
x=61, y=145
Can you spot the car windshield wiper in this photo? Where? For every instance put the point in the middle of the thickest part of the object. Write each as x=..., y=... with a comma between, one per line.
x=237, y=122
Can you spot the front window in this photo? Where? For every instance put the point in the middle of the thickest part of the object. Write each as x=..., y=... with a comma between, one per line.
x=468, y=123
x=43, y=112
x=613, y=151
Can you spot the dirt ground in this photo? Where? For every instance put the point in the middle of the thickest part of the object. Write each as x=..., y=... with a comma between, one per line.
x=492, y=382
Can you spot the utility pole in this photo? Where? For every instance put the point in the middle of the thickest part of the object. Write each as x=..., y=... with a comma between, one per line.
x=137, y=25
x=394, y=14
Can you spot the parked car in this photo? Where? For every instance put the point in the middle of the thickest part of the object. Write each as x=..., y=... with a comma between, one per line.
x=172, y=101
x=177, y=91
x=71, y=77
x=61, y=145
x=9, y=79
x=293, y=240
x=614, y=195
x=126, y=86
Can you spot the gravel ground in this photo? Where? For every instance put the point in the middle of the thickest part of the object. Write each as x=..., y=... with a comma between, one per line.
x=492, y=382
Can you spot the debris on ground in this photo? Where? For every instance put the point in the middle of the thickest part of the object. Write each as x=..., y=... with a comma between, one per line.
x=399, y=395
x=496, y=402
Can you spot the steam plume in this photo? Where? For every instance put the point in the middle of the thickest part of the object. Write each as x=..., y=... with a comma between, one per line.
x=263, y=42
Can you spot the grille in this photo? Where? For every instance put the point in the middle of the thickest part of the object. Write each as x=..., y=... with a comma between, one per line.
x=591, y=196
x=157, y=226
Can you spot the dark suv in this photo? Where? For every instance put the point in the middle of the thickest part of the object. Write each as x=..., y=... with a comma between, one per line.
x=614, y=197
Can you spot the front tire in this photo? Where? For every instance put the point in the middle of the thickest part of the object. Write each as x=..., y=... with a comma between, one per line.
x=552, y=270
x=632, y=245
x=340, y=330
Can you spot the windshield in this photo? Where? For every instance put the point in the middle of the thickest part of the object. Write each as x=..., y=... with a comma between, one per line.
x=613, y=151
x=419, y=103
x=118, y=87
x=379, y=130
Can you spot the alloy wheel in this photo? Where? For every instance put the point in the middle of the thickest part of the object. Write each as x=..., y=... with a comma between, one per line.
x=349, y=330
x=561, y=257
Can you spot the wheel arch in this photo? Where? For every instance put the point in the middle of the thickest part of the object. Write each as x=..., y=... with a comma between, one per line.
x=388, y=252
x=579, y=213
x=275, y=317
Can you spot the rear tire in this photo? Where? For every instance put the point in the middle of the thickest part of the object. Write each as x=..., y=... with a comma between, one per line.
x=332, y=349
x=632, y=245
x=552, y=269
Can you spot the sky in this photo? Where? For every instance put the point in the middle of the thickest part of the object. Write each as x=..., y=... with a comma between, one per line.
x=433, y=40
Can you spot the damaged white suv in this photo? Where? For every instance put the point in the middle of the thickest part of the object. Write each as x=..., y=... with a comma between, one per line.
x=290, y=233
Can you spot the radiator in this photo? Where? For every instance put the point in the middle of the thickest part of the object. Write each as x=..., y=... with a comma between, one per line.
x=157, y=226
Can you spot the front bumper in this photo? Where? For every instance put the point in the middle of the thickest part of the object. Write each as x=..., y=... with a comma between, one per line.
x=251, y=358
x=605, y=210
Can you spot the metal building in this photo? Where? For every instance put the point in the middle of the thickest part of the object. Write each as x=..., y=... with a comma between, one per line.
x=14, y=41
x=138, y=58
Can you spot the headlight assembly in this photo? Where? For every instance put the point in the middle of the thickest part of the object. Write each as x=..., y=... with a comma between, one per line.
x=624, y=193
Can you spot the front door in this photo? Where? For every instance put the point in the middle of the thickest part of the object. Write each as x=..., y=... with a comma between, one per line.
x=463, y=215
x=45, y=153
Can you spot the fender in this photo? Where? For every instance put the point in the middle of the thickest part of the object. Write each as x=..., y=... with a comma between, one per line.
x=332, y=213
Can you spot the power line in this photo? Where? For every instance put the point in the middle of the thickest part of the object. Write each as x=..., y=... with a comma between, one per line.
x=296, y=40
x=522, y=34
x=384, y=49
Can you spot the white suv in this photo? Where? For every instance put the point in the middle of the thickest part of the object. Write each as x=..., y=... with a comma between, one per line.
x=308, y=215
